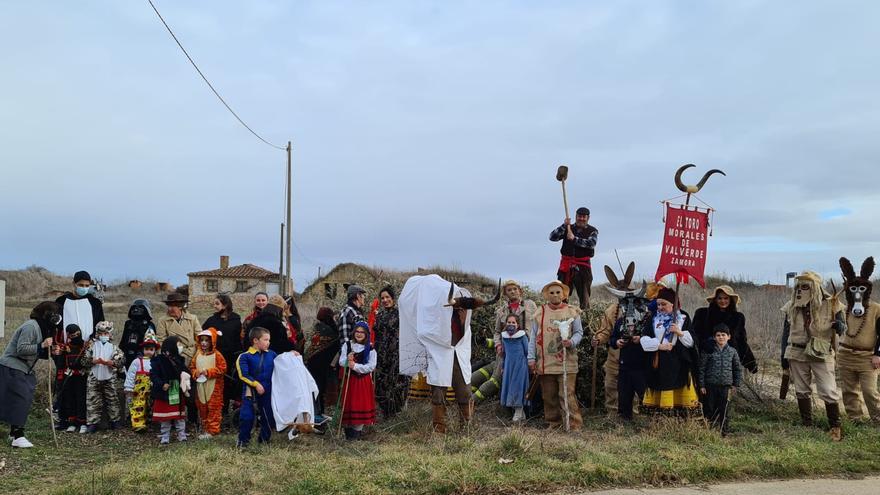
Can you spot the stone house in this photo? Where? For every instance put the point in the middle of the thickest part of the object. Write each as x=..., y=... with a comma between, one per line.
x=330, y=290
x=240, y=282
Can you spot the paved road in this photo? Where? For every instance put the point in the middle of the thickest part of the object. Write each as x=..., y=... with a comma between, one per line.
x=866, y=486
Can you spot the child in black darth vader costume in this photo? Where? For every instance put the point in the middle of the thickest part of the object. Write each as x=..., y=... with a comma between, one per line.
x=140, y=319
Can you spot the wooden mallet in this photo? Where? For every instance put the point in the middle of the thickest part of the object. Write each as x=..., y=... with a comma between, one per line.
x=562, y=176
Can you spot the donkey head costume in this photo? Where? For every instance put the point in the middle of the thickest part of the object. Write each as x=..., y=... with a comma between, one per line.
x=632, y=305
x=857, y=289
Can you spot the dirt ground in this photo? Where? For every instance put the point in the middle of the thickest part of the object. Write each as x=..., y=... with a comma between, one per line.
x=864, y=486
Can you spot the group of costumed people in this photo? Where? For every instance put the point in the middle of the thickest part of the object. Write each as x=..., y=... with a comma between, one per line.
x=371, y=360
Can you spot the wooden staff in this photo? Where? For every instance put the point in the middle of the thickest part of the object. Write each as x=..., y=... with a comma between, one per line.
x=51, y=416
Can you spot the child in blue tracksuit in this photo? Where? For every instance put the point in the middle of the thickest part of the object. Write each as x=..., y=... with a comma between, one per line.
x=255, y=368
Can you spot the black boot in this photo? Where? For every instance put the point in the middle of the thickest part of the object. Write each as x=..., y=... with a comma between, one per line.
x=351, y=434
x=833, y=411
x=805, y=406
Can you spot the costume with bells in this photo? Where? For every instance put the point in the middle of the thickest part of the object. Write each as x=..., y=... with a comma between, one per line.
x=137, y=383
x=209, y=387
x=556, y=365
x=859, y=344
x=812, y=317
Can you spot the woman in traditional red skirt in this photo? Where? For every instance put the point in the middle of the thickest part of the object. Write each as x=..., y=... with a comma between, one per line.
x=358, y=400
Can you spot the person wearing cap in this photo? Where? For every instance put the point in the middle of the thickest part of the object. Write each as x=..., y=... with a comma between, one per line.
x=18, y=381
x=104, y=360
x=137, y=384
x=352, y=313
x=555, y=334
x=70, y=380
x=81, y=307
x=812, y=318
x=179, y=323
x=722, y=308
x=139, y=322
x=524, y=312
x=672, y=359
x=578, y=247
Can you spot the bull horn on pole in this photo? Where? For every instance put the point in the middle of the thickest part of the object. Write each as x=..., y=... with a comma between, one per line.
x=693, y=189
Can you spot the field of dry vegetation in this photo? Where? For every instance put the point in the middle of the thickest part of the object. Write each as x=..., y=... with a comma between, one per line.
x=403, y=456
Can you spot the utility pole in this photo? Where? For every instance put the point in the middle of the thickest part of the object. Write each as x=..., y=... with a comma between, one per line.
x=281, y=258
x=288, y=282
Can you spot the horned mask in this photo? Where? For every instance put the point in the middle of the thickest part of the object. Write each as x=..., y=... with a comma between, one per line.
x=857, y=288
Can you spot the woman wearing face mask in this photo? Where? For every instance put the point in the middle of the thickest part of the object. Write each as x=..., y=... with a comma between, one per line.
x=81, y=307
x=31, y=341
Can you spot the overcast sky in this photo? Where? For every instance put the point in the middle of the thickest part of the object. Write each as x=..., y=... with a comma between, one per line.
x=429, y=133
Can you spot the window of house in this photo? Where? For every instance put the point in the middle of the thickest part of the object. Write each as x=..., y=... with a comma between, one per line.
x=241, y=286
x=212, y=285
x=330, y=291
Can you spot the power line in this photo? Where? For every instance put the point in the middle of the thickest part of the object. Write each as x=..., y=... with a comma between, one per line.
x=191, y=61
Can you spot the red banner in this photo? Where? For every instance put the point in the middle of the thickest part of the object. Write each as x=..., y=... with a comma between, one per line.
x=685, y=239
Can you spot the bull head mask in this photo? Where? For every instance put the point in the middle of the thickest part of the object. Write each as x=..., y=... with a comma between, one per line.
x=471, y=302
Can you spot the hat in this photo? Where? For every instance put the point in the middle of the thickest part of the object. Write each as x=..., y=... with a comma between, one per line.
x=104, y=326
x=278, y=301
x=150, y=339
x=513, y=283
x=354, y=290
x=82, y=275
x=176, y=298
x=565, y=290
x=654, y=289
x=667, y=294
x=727, y=290
x=207, y=332
x=810, y=276
x=583, y=210
x=362, y=324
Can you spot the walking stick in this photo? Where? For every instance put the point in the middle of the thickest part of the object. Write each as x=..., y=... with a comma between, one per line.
x=51, y=416
x=340, y=411
x=565, y=388
x=593, y=385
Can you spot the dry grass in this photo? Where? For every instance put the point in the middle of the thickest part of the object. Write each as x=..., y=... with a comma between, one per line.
x=402, y=456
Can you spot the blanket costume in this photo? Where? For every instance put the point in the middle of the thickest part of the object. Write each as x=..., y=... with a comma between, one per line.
x=295, y=392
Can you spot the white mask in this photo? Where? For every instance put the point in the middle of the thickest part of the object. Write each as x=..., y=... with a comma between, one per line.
x=180, y=348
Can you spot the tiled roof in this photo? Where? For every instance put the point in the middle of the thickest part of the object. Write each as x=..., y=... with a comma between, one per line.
x=241, y=271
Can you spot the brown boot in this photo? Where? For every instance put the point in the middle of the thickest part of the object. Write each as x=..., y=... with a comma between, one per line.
x=466, y=412
x=439, y=419
x=833, y=411
x=805, y=406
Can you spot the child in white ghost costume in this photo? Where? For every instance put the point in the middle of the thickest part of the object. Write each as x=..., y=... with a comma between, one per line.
x=293, y=394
